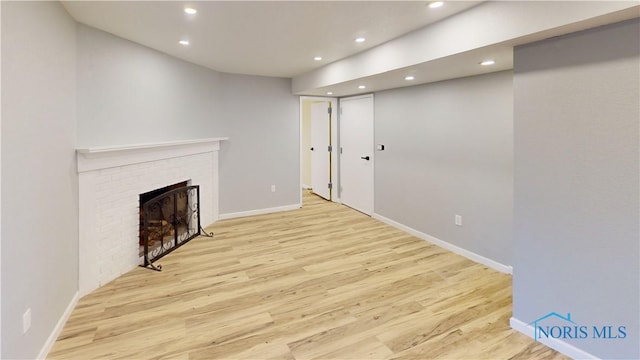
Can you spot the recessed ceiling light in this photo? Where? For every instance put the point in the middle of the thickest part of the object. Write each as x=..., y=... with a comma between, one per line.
x=184, y=42
x=487, y=62
x=409, y=78
x=435, y=4
x=190, y=11
x=317, y=58
x=329, y=93
x=360, y=40
x=362, y=87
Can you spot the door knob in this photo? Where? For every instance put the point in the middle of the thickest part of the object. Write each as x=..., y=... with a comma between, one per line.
x=364, y=158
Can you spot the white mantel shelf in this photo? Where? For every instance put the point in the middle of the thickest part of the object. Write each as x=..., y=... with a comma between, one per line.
x=96, y=158
x=104, y=149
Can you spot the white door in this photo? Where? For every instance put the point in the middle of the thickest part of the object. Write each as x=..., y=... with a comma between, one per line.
x=320, y=142
x=357, y=150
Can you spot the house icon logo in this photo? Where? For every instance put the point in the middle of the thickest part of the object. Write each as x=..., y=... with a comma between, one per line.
x=537, y=330
x=556, y=326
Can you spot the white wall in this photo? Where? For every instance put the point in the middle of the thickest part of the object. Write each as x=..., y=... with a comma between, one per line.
x=576, y=230
x=39, y=182
x=129, y=94
x=261, y=119
x=449, y=150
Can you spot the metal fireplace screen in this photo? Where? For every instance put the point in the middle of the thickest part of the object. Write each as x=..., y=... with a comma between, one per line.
x=170, y=220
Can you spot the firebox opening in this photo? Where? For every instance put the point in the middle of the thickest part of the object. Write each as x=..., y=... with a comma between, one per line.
x=143, y=198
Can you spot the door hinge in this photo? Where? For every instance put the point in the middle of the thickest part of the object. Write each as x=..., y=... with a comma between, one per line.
x=329, y=148
x=330, y=186
x=329, y=110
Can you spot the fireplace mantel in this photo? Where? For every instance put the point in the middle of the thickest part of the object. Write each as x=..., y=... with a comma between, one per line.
x=110, y=180
x=96, y=158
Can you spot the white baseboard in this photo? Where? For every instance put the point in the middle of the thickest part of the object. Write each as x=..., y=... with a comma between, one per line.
x=306, y=187
x=443, y=244
x=556, y=344
x=259, y=211
x=59, y=326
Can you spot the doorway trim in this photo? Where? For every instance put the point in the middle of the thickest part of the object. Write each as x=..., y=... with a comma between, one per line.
x=335, y=165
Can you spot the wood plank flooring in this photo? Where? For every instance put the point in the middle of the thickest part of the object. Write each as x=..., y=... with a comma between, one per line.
x=322, y=282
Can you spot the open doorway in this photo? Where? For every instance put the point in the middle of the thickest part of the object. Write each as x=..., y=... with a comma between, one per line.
x=318, y=147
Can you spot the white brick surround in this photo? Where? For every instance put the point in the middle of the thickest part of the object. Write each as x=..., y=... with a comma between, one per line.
x=110, y=180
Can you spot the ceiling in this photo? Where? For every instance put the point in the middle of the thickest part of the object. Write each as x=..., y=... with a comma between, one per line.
x=268, y=38
x=281, y=38
x=451, y=67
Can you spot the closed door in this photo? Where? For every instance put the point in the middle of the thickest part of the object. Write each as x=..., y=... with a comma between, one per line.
x=320, y=149
x=357, y=151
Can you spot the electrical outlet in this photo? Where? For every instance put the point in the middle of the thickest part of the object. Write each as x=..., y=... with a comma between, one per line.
x=26, y=321
x=458, y=220
x=273, y=188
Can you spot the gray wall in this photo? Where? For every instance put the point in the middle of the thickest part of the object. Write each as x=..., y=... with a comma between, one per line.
x=39, y=182
x=129, y=94
x=0, y=188
x=449, y=150
x=55, y=71
x=577, y=114
x=261, y=117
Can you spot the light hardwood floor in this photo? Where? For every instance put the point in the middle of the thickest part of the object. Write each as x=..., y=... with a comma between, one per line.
x=322, y=282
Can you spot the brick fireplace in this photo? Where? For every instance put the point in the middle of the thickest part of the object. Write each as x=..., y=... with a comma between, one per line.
x=110, y=182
